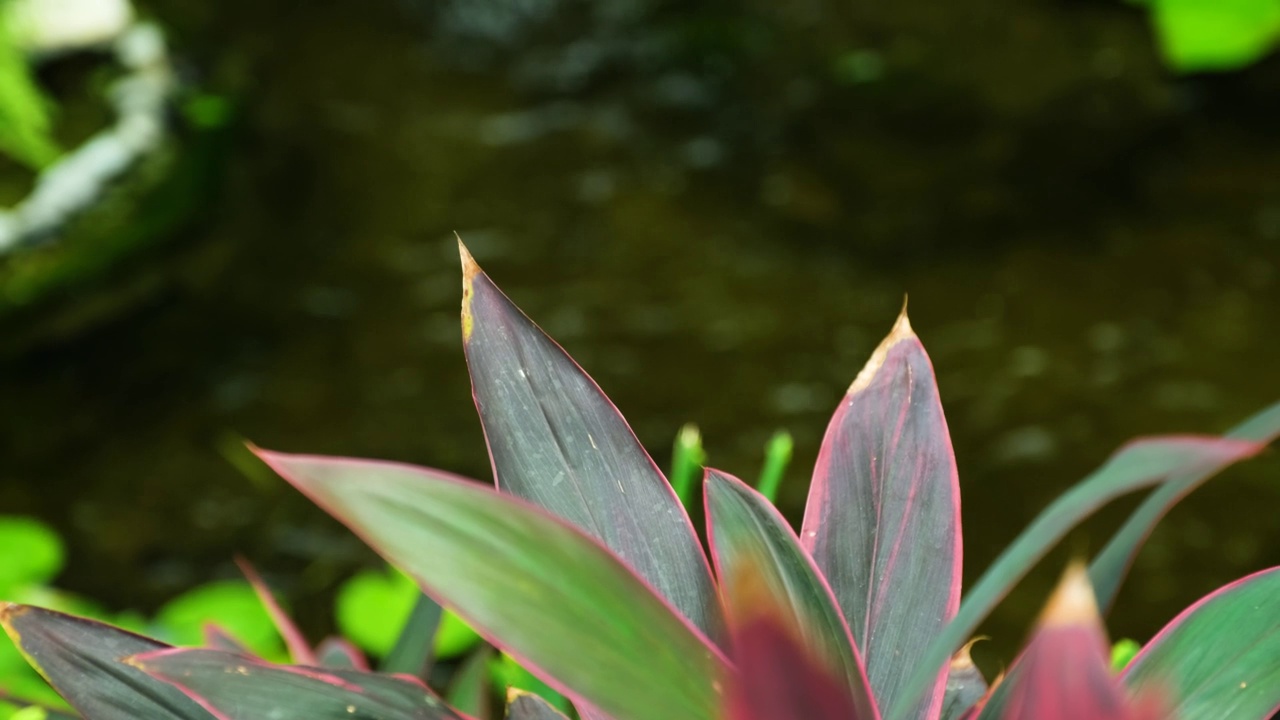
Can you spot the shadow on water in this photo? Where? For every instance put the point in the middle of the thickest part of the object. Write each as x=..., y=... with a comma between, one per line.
x=717, y=211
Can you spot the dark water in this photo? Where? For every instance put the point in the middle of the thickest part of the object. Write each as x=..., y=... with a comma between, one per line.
x=716, y=208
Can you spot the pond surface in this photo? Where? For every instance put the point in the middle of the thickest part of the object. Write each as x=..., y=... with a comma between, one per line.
x=717, y=209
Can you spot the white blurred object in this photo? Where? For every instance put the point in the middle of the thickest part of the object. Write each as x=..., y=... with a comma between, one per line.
x=47, y=27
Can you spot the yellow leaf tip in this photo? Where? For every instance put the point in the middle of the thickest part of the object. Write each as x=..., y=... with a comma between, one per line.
x=901, y=331
x=962, y=659
x=514, y=693
x=469, y=267
x=1073, y=602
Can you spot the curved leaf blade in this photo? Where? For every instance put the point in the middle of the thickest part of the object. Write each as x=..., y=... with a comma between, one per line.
x=527, y=706
x=233, y=687
x=965, y=686
x=531, y=583
x=883, y=516
x=1109, y=568
x=745, y=528
x=81, y=659
x=1221, y=656
x=1141, y=463
x=557, y=441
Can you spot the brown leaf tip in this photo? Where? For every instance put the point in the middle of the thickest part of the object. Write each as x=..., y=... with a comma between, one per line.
x=1073, y=602
x=514, y=693
x=469, y=267
x=9, y=611
x=901, y=331
x=962, y=660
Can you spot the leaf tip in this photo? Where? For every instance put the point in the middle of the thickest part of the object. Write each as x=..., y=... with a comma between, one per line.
x=469, y=271
x=901, y=331
x=962, y=660
x=8, y=612
x=469, y=267
x=1073, y=602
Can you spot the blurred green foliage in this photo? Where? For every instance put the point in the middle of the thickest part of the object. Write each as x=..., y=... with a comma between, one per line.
x=373, y=606
x=1215, y=35
x=25, y=112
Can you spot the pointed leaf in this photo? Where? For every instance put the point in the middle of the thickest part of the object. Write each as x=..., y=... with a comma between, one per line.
x=470, y=685
x=745, y=528
x=232, y=687
x=412, y=653
x=1109, y=568
x=965, y=686
x=883, y=517
x=218, y=638
x=81, y=659
x=1141, y=463
x=527, y=706
x=299, y=649
x=1221, y=656
x=531, y=583
x=334, y=652
x=557, y=441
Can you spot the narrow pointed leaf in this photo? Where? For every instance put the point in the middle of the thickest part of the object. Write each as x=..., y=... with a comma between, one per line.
x=336, y=653
x=1141, y=463
x=232, y=687
x=81, y=659
x=294, y=640
x=527, y=706
x=557, y=441
x=1109, y=568
x=745, y=528
x=883, y=517
x=470, y=685
x=412, y=651
x=531, y=583
x=218, y=638
x=965, y=686
x=1221, y=656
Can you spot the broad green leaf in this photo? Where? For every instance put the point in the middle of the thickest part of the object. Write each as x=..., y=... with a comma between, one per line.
x=30, y=553
x=233, y=605
x=1109, y=568
x=1215, y=35
x=531, y=583
x=745, y=529
x=1221, y=656
x=239, y=688
x=81, y=658
x=557, y=441
x=883, y=518
x=523, y=705
x=1141, y=463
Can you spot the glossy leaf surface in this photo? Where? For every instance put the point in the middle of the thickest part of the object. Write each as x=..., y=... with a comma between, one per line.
x=557, y=441
x=883, y=516
x=1109, y=568
x=232, y=687
x=1139, y=464
x=81, y=659
x=527, y=706
x=533, y=584
x=1221, y=656
x=745, y=529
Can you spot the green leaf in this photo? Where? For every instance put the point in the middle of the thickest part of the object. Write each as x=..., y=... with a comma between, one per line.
x=373, y=606
x=25, y=112
x=557, y=441
x=527, y=706
x=528, y=581
x=745, y=529
x=469, y=689
x=1139, y=464
x=81, y=658
x=1108, y=569
x=232, y=605
x=1221, y=656
x=30, y=553
x=687, y=459
x=883, y=519
x=412, y=653
x=454, y=636
x=1210, y=35
x=509, y=673
x=777, y=455
x=240, y=688
x=1122, y=653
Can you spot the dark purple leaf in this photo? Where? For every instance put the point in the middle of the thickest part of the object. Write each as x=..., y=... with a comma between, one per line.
x=527, y=706
x=745, y=529
x=334, y=652
x=883, y=517
x=81, y=659
x=1220, y=658
x=531, y=583
x=232, y=687
x=557, y=441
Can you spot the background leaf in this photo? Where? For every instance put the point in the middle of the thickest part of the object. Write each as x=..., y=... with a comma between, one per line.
x=527, y=706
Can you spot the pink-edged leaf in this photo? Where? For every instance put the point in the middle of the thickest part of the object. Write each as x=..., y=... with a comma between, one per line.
x=883, y=517
x=1064, y=672
x=232, y=687
x=1221, y=656
x=81, y=659
x=527, y=706
x=744, y=528
x=557, y=441
x=299, y=649
x=777, y=677
x=1109, y=568
x=217, y=638
x=965, y=686
x=531, y=583
x=1139, y=464
x=335, y=652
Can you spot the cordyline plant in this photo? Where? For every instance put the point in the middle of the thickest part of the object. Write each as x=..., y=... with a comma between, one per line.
x=584, y=565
